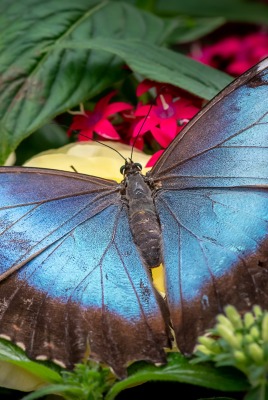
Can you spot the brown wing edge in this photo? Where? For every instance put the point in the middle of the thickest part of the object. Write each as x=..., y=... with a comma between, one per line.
x=194, y=318
x=47, y=328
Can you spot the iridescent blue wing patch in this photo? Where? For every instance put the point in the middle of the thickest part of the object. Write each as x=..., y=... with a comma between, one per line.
x=73, y=278
x=215, y=253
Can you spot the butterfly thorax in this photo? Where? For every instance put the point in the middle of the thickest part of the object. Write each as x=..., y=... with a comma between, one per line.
x=144, y=223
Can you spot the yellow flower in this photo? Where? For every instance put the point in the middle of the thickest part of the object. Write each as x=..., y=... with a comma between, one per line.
x=94, y=159
x=11, y=159
x=88, y=158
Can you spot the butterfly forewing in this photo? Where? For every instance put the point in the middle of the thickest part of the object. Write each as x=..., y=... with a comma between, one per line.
x=225, y=145
x=213, y=208
x=73, y=278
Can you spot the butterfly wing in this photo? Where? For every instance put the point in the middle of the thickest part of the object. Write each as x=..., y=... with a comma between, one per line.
x=213, y=206
x=71, y=275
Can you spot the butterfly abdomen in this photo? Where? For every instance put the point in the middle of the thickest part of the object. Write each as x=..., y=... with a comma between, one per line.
x=143, y=220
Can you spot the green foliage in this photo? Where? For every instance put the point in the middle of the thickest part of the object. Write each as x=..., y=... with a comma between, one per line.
x=42, y=78
x=231, y=10
x=92, y=381
x=160, y=64
x=241, y=343
x=87, y=382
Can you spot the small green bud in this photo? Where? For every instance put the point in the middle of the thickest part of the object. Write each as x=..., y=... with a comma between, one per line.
x=249, y=319
x=206, y=341
x=254, y=332
x=203, y=349
x=229, y=336
x=264, y=328
x=239, y=337
x=210, y=343
x=234, y=316
x=225, y=321
x=256, y=352
x=257, y=311
x=240, y=356
x=248, y=338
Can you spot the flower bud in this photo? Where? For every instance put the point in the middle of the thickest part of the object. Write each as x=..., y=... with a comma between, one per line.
x=248, y=338
x=225, y=321
x=254, y=332
x=256, y=352
x=229, y=336
x=234, y=317
x=203, y=349
x=240, y=356
x=257, y=311
x=249, y=319
x=264, y=328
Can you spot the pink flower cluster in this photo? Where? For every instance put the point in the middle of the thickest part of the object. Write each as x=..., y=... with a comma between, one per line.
x=233, y=54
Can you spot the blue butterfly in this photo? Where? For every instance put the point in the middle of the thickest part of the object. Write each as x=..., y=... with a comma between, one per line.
x=76, y=250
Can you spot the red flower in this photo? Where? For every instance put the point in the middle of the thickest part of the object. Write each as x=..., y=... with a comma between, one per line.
x=162, y=119
x=154, y=158
x=234, y=54
x=161, y=88
x=88, y=122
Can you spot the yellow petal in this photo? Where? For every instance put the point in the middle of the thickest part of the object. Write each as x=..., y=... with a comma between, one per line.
x=11, y=159
x=89, y=158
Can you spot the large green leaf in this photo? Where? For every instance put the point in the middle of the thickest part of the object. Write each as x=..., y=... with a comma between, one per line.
x=26, y=372
x=35, y=86
x=189, y=29
x=179, y=369
x=160, y=64
x=232, y=10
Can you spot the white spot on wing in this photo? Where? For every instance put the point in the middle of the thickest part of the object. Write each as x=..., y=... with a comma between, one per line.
x=58, y=362
x=41, y=358
x=6, y=337
x=21, y=345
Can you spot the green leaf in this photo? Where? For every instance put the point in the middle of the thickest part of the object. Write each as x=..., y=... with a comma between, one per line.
x=232, y=10
x=258, y=393
x=217, y=398
x=36, y=86
x=179, y=369
x=189, y=29
x=47, y=137
x=161, y=64
x=5, y=139
x=52, y=389
x=86, y=382
x=16, y=356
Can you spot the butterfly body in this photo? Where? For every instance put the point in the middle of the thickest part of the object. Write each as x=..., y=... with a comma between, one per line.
x=75, y=249
x=144, y=223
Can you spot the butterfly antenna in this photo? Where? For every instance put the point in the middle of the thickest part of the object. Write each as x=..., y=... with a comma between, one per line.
x=106, y=145
x=145, y=119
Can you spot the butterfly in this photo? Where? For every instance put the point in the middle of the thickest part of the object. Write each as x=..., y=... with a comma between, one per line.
x=76, y=251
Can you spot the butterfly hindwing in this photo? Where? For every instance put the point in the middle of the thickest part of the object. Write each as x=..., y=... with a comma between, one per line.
x=215, y=253
x=77, y=279
x=213, y=206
